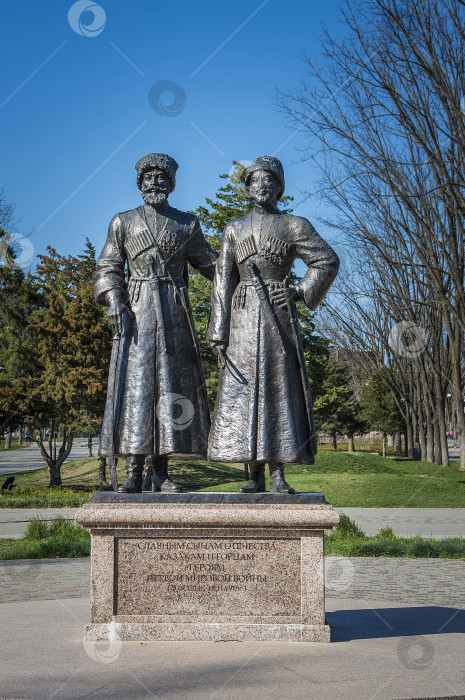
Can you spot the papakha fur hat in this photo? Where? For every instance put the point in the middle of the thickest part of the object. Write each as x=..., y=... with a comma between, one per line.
x=157, y=160
x=271, y=165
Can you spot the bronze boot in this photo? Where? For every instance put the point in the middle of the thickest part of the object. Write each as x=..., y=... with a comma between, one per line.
x=134, y=468
x=160, y=478
x=278, y=484
x=256, y=483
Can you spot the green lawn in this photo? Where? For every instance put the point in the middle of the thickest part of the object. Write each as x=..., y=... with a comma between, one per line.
x=369, y=481
x=348, y=540
x=14, y=446
x=346, y=479
x=43, y=540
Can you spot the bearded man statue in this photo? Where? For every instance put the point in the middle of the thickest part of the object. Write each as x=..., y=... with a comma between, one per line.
x=156, y=403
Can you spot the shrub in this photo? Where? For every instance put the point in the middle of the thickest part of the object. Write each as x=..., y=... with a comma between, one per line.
x=347, y=529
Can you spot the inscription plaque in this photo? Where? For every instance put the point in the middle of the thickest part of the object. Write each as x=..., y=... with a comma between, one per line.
x=205, y=576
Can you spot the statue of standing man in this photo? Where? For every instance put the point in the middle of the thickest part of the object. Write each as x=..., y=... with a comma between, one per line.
x=263, y=413
x=156, y=403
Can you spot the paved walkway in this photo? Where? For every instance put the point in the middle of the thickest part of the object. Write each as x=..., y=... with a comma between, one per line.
x=425, y=581
x=379, y=651
x=428, y=522
x=407, y=522
x=28, y=458
x=13, y=521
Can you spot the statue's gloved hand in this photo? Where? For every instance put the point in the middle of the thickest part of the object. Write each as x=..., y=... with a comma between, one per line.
x=282, y=295
x=219, y=350
x=116, y=309
x=217, y=347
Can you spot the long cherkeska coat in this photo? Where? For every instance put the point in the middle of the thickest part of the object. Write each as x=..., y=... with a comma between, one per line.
x=156, y=402
x=262, y=411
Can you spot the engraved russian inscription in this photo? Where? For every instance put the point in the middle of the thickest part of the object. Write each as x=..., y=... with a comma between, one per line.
x=242, y=577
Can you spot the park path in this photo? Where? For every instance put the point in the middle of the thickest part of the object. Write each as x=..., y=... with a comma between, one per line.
x=27, y=458
x=425, y=581
x=438, y=523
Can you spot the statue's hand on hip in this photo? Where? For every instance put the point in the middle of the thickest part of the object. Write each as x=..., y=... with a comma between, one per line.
x=281, y=296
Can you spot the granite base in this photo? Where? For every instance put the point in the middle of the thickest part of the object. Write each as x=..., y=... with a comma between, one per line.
x=217, y=567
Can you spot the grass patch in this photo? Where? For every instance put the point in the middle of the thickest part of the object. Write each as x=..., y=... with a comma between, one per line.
x=14, y=446
x=370, y=447
x=37, y=497
x=348, y=540
x=48, y=540
x=347, y=479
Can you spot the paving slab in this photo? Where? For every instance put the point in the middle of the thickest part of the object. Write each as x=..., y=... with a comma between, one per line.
x=380, y=651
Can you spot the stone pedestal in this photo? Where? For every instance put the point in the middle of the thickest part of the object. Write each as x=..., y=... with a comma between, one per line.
x=207, y=566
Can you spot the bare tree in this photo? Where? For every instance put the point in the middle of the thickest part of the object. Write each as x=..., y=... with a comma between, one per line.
x=388, y=136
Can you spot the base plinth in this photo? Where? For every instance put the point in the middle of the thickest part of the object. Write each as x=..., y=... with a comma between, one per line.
x=207, y=566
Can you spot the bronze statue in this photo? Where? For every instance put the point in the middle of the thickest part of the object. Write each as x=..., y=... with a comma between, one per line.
x=156, y=402
x=263, y=411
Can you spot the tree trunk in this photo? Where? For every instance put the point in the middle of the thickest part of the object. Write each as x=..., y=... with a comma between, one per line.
x=429, y=438
x=441, y=403
x=335, y=443
x=22, y=430
x=437, y=443
x=351, y=443
x=55, y=475
x=398, y=442
x=50, y=439
x=423, y=412
x=54, y=465
x=410, y=438
x=102, y=464
x=424, y=439
x=384, y=445
x=89, y=445
x=462, y=452
x=405, y=444
x=456, y=385
x=415, y=421
x=8, y=440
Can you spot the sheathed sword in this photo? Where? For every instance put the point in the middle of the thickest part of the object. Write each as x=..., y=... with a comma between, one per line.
x=118, y=353
x=114, y=389
x=303, y=369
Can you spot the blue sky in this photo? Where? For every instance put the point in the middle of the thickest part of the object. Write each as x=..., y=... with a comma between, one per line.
x=75, y=113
